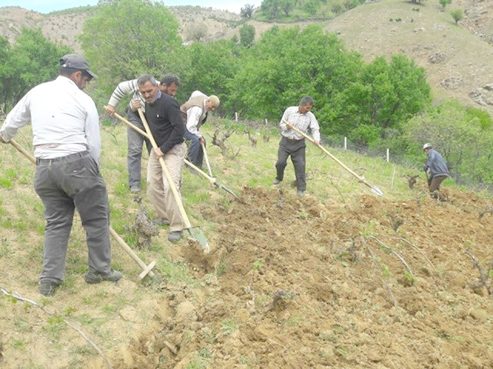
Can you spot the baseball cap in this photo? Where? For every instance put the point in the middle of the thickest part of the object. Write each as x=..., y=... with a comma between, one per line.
x=427, y=146
x=76, y=61
x=214, y=101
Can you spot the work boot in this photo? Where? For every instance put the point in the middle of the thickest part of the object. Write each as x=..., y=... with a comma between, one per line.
x=276, y=181
x=174, y=236
x=134, y=189
x=48, y=288
x=93, y=276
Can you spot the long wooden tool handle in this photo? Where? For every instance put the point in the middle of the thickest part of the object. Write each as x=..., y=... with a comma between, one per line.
x=115, y=235
x=22, y=151
x=166, y=172
x=361, y=179
x=133, y=126
x=206, y=159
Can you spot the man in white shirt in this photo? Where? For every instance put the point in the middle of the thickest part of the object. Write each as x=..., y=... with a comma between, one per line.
x=194, y=115
x=67, y=145
x=169, y=85
x=293, y=144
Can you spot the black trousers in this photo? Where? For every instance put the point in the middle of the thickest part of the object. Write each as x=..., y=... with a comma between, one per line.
x=295, y=149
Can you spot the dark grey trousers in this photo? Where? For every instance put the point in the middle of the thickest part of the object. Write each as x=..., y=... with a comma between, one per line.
x=64, y=184
x=134, y=148
x=295, y=149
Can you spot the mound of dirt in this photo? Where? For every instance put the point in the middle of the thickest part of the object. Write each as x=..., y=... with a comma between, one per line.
x=296, y=283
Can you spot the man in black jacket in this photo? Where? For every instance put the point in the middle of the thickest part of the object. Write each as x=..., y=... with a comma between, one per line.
x=164, y=118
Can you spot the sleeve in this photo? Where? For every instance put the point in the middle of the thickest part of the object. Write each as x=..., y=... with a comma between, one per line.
x=123, y=88
x=193, y=117
x=173, y=112
x=18, y=117
x=93, y=134
x=284, y=119
x=314, y=128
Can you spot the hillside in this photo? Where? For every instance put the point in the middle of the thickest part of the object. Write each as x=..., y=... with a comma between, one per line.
x=339, y=278
x=457, y=58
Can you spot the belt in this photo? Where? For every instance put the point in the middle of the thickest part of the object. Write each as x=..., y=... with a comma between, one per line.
x=63, y=158
x=294, y=140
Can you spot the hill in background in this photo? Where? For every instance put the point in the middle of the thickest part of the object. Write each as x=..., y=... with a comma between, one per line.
x=457, y=58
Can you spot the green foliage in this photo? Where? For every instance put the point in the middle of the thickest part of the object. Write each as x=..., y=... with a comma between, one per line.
x=208, y=66
x=247, y=35
x=457, y=14
x=444, y=3
x=126, y=38
x=31, y=60
x=462, y=135
x=247, y=11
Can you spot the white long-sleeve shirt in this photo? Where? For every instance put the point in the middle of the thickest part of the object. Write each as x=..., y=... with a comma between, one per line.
x=303, y=122
x=127, y=88
x=195, y=115
x=64, y=120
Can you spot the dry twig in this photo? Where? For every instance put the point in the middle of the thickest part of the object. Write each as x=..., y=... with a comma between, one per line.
x=395, y=253
x=18, y=297
x=482, y=276
x=374, y=259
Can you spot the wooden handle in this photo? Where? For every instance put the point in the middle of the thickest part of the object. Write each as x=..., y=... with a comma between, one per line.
x=165, y=171
x=361, y=179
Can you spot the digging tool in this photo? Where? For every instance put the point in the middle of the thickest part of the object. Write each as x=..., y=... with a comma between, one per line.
x=200, y=171
x=206, y=160
x=374, y=189
x=195, y=232
x=147, y=269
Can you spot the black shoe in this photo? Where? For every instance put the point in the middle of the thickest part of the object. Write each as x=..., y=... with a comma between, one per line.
x=93, y=276
x=174, y=236
x=48, y=288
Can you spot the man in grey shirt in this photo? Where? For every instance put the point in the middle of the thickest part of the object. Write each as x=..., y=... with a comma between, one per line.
x=67, y=145
x=437, y=169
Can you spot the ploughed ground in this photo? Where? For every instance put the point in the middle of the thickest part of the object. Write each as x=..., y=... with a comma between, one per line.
x=292, y=283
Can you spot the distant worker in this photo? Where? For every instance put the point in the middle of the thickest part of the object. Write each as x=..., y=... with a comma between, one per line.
x=169, y=85
x=67, y=145
x=437, y=169
x=194, y=115
x=293, y=144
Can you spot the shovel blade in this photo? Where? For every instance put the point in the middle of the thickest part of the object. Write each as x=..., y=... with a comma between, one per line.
x=218, y=185
x=197, y=234
x=376, y=191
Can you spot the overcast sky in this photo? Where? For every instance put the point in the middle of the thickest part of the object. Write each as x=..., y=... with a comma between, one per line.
x=47, y=6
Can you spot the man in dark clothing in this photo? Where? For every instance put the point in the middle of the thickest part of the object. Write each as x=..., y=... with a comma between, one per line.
x=164, y=118
x=437, y=169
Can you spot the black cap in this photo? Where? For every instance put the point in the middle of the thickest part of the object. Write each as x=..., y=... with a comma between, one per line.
x=76, y=61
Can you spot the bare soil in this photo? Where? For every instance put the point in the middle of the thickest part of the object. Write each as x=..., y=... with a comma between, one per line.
x=304, y=284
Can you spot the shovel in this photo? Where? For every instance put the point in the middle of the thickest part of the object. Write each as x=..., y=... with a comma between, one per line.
x=195, y=232
x=147, y=269
x=374, y=189
x=201, y=172
x=206, y=160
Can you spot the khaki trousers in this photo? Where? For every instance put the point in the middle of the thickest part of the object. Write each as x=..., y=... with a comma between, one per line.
x=158, y=189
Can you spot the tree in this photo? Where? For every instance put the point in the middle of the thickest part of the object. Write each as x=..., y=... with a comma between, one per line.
x=444, y=3
x=457, y=14
x=271, y=8
x=462, y=135
x=247, y=35
x=126, y=38
x=247, y=11
x=30, y=61
x=208, y=67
